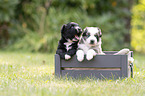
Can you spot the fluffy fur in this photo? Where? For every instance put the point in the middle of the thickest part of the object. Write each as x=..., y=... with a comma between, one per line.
x=68, y=44
x=90, y=43
x=125, y=51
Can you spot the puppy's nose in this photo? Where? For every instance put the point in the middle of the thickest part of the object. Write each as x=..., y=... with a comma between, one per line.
x=92, y=42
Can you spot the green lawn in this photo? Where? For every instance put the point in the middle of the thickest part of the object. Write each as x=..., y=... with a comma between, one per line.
x=31, y=74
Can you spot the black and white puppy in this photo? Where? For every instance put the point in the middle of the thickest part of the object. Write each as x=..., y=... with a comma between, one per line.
x=68, y=44
x=90, y=44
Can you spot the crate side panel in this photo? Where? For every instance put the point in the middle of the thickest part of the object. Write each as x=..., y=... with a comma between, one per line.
x=100, y=61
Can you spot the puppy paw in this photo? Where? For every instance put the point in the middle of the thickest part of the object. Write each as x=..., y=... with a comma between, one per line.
x=67, y=57
x=90, y=54
x=91, y=51
x=80, y=55
x=89, y=57
x=80, y=59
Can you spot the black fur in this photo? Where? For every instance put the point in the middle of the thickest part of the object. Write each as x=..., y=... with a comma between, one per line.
x=68, y=34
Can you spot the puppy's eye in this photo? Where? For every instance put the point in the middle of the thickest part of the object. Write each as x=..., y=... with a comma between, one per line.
x=88, y=34
x=96, y=35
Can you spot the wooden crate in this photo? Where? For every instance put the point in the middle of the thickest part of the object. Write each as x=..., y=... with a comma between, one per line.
x=101, y=66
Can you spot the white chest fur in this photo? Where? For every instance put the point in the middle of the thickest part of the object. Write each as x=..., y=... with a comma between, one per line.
x=85, y=48
x=67, y=44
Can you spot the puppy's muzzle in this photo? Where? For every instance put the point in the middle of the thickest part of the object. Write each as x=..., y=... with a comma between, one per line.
x=76, y=38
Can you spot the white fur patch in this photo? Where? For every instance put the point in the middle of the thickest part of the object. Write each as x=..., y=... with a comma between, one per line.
x=84, y=48
x=92, y=30
x=67, y=57
x=130, y=59
x=90, y=54
x=122, y=52
x=80, y=55
x=67, y=44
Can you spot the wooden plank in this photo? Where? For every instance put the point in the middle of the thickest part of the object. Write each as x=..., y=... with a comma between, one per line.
x=91, y=68
x=131, y=66
x=57, y=65
x=98, y=61
x=124, y=63
x=101, y=74
x=110, y=52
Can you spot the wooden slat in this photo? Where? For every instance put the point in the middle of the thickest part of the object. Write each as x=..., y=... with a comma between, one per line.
x=124, y=63
x=91, y=68
x=57, y=65
x=102, y=74
x=98, y=61
x=110, y=52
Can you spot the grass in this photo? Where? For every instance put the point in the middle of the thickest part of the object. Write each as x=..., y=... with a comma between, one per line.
x=31, y=74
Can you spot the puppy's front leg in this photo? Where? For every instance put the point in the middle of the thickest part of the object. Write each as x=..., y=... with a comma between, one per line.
x=61, y=53
x=90, y=54
x=70, y=53
x=100, y=51
x=80, y=55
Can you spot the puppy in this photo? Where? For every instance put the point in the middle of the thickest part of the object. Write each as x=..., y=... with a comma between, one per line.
x=90, y=43
x=68, y=44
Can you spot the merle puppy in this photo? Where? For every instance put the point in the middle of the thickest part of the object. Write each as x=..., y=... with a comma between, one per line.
x=68, y=44
x=90, y=44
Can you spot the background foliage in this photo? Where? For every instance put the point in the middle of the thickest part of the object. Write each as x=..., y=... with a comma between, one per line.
x=34, y=25
x=138, y=27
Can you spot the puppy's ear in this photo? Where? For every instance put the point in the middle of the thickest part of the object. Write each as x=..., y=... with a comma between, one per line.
x=63, y=28
x=100, y=33
x=85, y=31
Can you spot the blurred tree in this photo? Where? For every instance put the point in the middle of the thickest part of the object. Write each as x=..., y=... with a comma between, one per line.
x=7, y=8
x=37, y=23
x=138, y=27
